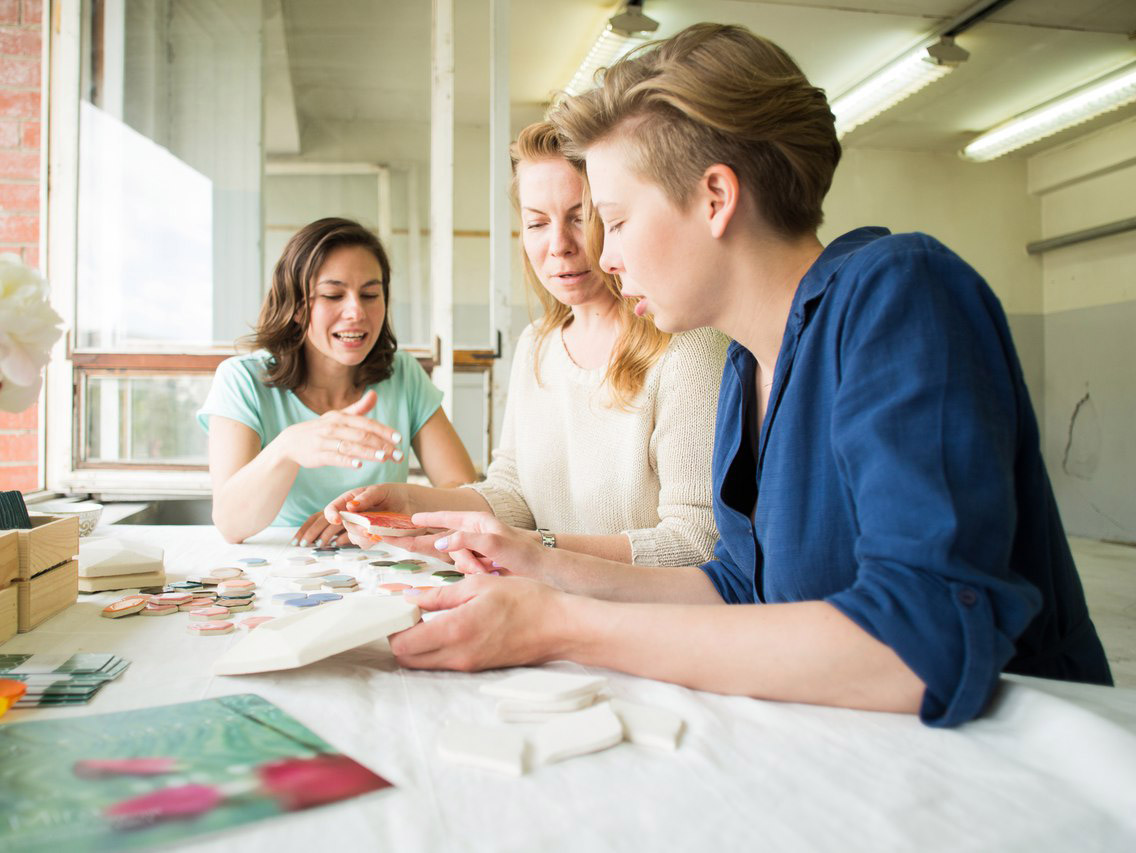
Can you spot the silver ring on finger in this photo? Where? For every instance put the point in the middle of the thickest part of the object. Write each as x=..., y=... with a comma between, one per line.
x=339, y=447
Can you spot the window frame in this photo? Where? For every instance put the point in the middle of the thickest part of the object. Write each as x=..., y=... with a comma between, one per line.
x=61, y=469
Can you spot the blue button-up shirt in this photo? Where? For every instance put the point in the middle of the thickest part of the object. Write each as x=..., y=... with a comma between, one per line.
x=899, y=476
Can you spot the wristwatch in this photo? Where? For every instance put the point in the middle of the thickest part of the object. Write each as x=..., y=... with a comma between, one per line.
x=547, y=538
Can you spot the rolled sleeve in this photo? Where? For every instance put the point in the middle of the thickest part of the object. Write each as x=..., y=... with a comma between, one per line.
x=733, y=584
x=924, y=431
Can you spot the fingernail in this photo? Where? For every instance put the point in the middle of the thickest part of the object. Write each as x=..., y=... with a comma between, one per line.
x=303, y=543
x=396, y=437
x=355, y=463
x=380, y=455
x=495, y=574
x=295, y=541
x=497, y=565
x=318, y=542
x=442, y=543
x=411, y=593
x=397, y=456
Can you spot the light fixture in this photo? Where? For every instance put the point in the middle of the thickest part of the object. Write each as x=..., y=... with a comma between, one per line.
x=1089, y=101
x=623, y=31
x=894, y=82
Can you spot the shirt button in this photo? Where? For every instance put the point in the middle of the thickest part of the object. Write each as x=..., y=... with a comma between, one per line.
x=968, y=596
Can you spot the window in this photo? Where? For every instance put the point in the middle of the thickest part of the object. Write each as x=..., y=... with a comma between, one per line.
x=190, y=139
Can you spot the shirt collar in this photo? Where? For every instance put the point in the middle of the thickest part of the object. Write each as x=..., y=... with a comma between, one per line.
x=813, y=285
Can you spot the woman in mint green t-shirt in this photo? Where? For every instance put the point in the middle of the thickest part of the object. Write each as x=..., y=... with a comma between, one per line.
x=327, y=402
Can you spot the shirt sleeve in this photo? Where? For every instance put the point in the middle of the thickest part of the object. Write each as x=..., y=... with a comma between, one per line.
x=681, y=450
x=423, y=397
x=501, y=487
x=925, y=435
x=234, y=394
x=734, y=585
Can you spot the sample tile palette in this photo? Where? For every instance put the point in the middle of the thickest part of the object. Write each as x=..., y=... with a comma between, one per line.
x=61, y=679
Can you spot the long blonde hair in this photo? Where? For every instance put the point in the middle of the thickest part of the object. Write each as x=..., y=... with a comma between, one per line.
x=640, y=343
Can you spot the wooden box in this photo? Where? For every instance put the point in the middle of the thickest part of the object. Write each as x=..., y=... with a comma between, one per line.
x=9, y=557
x=51, y=541
x=9, y=608
x=47, y=593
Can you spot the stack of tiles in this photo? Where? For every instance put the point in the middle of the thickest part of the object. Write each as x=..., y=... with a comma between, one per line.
x=106, y=563
x=340, y=583
x=61, y=679
x=574, y=717
x=210, y=609
x=46, y=575
x=237, y=594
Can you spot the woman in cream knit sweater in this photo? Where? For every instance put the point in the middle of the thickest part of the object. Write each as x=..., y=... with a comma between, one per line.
x=603, y=449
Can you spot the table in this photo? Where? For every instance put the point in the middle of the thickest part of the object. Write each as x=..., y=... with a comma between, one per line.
x=1052, y=766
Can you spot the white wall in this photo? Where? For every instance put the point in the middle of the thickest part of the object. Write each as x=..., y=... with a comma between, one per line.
x=980, y=210
x=1089, y=299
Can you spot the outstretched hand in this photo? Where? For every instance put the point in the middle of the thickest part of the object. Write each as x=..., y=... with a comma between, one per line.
x=342, y=437
x=479, y=543
x=385, y=497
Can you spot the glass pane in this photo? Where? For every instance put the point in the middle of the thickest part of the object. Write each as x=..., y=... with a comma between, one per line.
x=144, y=419
x=170, y=154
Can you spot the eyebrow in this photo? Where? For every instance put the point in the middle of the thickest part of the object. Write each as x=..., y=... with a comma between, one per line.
x=337, y=283
x=579, y=206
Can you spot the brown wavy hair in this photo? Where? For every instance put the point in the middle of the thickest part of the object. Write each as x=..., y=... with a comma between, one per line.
x=715, y=94
x=280, y=332
x=640, y=343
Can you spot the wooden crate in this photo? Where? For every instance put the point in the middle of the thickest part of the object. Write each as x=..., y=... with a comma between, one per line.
x=46, y=594
x=51, y=541
x=9, y=610
x=9, y=557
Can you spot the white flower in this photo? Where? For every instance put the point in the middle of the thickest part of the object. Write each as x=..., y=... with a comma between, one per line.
x=28, y=328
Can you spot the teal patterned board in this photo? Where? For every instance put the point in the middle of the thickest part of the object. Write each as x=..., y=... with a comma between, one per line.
x=90, y=783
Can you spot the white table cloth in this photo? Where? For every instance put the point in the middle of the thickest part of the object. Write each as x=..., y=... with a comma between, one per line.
x=1052, y=766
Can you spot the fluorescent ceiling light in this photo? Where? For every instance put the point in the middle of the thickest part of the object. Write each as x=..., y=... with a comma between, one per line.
x=1089, y=101
x=892, y=83
x=624, y=31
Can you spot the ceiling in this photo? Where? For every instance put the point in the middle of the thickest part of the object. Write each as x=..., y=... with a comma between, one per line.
x=369, y=60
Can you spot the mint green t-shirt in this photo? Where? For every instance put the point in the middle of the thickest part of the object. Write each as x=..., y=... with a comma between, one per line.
x=407, y=399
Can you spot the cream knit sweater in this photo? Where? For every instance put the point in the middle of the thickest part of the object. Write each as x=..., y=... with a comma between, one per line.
x=570, y=462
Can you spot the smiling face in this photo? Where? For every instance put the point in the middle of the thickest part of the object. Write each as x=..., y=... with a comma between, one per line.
x=662, y=253
x=552, y=228
x=347, y=307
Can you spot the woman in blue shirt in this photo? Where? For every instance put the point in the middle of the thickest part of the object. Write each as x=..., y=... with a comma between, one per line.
x=886, y=524
x=327, y=402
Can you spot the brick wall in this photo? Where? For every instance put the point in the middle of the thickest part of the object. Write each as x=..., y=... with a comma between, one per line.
x=21, y=59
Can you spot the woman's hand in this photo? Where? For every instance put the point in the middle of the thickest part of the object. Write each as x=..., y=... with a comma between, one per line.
x=479, y=543
x=384, y=497
x=317, y=531
x=490, y=622
x=342, y=437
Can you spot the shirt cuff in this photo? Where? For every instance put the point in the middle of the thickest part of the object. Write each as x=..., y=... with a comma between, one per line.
x=660, y=546
x=504, y=504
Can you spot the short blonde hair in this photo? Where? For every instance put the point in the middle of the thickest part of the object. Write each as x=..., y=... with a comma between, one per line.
x=640, y=343
x=716, y=94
